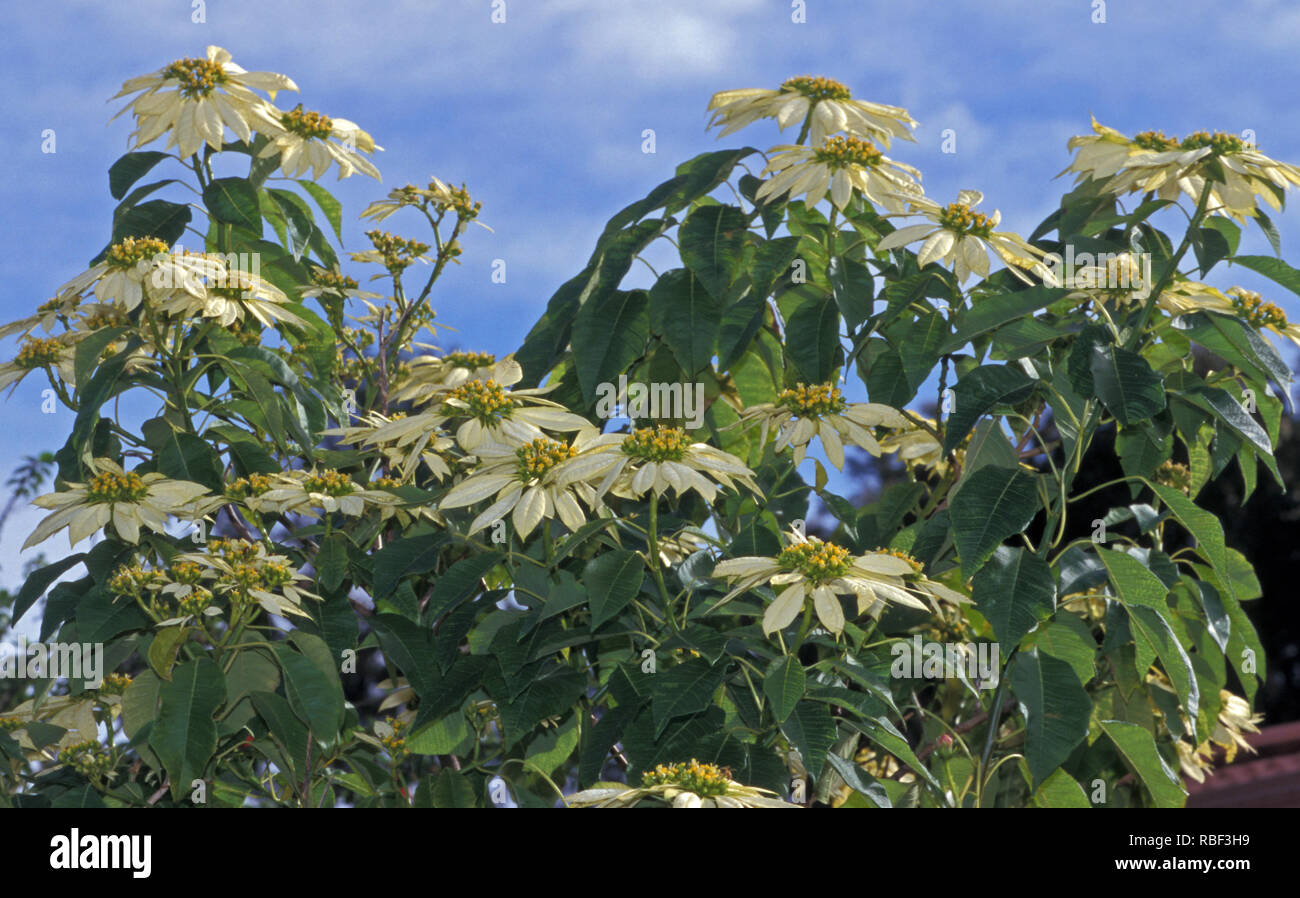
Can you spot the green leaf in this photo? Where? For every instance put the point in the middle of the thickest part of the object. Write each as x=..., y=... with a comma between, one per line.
x=251, y=671
x=90, y=350
x=994, y=503
x=38, y=581
x=859, y=780
x=185, y=734
x=612, y=580
x=131, y=168
x=164, y=648
x=331, y=561
x=687, y=316
x=314, y=691
x=1274, y=269
x=609, y=334
x=1124, y=381
x=783, y=684
x=463, y=580
x=1056, y=709
x=1068, y=638
x=812, y=339
x=979, y=392
x=1015, y=591
x=992, y=312
x=811, y=729
x=234, y=201
x=554, y=746
x=452, y=789
x=1138, y=747
x=1060, y=790
x=403, y=557
x=288, y=733
x=712, y=240
x=685, y=688
x=332, y=208
x=156, y=218
x=183, y=456
x=701, y=174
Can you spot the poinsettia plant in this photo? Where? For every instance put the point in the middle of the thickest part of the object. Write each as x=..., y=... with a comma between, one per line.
x=588, y=588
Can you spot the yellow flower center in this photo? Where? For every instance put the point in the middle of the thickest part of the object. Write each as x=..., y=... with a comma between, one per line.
x=1171, y=473
x=9, y=724
x=134, y=250
x=323, y=278
x=1155, y=140
x=817, y=88
x=813, y=401
x=387, y=482
x=329, y=482
x=109, y=486
x=705, y=780
x=306, y=123
x=233, y=549
x=470, y=360
x=276, y=574
x=252, y=485
x=963, y=219
x=539, y=456
x=658, y=444
x=186, y=572
x=818, y=561
x=840, y=151
x=1257, y=313
x=37, y=352
x=197, y=76
x=487, y=400
x=398, y=253
x=1220, y=142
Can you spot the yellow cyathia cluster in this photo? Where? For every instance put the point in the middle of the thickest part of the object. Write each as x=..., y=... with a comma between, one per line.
x=538, y=456
x=307, y=123
x=705, y=780
x=840, y=151
x=88, y=758
x=197, y=76
x=963, y=219
x=813, y=400
x=397, y=253
x=817, y=87
x=134, y=250
x=470, y=360
x=37, y=352
x=818, y=561
x=658, y=444
x=1257, y=313
x=330, y=482
x=110, y=486
x=394, y=742
x=1171, y=473
x=485, y=399
x=252, y=485
x=115, y=684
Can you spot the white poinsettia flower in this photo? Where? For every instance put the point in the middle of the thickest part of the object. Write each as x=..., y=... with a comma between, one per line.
x=314, y=493
x=523, y=483
x=194, y=100
x=840, y=166
x=684, y=785
x=960, y=238
x=228, y=295
x=1236, y=172
x=656, y=459
x=311, y=141
x=244, y=571
x=807, y=411
x=811, y=569
x=832, y=105
x=144, y=267
x=123, y=498
x=431, y=378
x=402, y=447
x=52, y=354
x=491, y=414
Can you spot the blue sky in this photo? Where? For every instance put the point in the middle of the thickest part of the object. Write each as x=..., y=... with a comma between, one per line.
x=542, y=117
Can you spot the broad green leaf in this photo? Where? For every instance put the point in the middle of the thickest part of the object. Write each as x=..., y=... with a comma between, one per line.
x=164, y=648
x=1015, y=590
x=185, y=734
x=315, y=692
x=783, y=685
x=1125, y=383
x=554, y=746
x=811, y=729
x=332, y=208
x=978, y=393
x=812, y=339
x=131, y=168
x=1056, y=709
x=685, y=688
x=687, y=316
x=712, y=241
x=609, y=334
x=1060, y=790
x=1139, y=749
x=994, y=503
x=859, y=780
x=612, y=580
x=234, y=201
